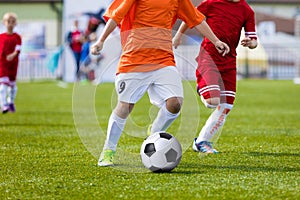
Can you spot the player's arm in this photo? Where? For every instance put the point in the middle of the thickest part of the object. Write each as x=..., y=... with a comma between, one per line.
x=108, y=29
x=114, y=15
x=206, y=31
x=195, y=19
x=177, y=39
x=250, y=39
x=16, y=52
x=11, y=56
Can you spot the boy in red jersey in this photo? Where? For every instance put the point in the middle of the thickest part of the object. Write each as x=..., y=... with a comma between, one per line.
x=216, y=75
x=10, y=46
x=147, y=62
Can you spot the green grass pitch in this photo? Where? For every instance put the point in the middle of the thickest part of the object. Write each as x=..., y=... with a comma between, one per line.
x=50, y=146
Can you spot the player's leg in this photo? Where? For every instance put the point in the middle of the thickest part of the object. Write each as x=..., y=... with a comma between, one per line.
x=129, y=90
x=84, y=69
x=4, y=81
x=115, y=128
x=11, y=96
x=116, y=124
x=207, y=77
x=228, y=93
x=218, y=117
x=167, y=93
x=12, y=89
x=208, y=88
x=77, y=60
x=165, y=116
x=213, y=124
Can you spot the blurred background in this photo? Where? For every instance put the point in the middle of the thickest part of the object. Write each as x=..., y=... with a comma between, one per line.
x=46, y=54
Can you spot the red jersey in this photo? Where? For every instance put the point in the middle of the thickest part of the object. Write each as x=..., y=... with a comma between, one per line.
x=8, y=44
x=227, y=19
x=76, y=43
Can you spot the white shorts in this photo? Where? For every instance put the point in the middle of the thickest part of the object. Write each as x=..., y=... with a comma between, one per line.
x=160, y=84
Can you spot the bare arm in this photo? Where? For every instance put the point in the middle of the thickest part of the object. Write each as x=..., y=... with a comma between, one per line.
x=206, y=31
x=108, y=29
x=11, y=56
x=178, y=36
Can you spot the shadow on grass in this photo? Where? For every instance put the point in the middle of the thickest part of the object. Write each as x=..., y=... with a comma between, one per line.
x=248, y=168
x=191, y=168
x=204, y=169
x=272, y=154
x=200, y=169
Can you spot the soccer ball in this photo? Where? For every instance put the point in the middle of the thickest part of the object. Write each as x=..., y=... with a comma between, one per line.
x=161, y=152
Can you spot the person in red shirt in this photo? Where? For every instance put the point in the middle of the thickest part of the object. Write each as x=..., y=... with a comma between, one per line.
x=216, y=75
x=10, y=46
x=75, y=40
x=147, y=61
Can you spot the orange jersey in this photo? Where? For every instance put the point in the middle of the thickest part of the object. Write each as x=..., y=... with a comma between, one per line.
x=146, y=31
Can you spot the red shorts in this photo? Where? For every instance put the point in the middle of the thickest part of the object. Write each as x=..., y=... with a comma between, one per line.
x=9, y=69
x=216, y=81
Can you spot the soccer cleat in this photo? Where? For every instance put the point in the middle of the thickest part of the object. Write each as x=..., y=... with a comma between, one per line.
x=106, y=158
x=204, y=147
x=149, y=130
x=5, y=109
x=12, y=107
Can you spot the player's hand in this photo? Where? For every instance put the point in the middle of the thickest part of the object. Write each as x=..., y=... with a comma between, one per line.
x=248, y=42
x=10, y=57
x=245, y=42
x=222, y=48
x=96, y=48
x=176, y=41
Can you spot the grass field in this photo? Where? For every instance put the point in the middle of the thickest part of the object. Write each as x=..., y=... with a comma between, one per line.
x=50, y=146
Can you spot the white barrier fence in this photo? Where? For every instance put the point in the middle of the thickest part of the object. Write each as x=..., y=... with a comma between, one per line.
x=255, y=65
x=34, y=66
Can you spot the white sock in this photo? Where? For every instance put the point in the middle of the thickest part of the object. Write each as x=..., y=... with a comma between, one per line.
x=114, y=131
x=12, y=93
x=163, y=120
x=214, y=123
x=3, y=94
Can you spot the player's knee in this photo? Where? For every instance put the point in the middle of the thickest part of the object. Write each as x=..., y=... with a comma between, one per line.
x=173, y=104
x=211, y=102
x=215, y=101
x=123, y=109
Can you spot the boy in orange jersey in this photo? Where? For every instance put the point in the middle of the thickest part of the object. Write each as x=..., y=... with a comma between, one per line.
x=10, y=46
x=147, y=61
x=216, y=75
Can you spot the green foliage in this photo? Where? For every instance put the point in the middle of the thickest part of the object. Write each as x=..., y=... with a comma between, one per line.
x=44, y=155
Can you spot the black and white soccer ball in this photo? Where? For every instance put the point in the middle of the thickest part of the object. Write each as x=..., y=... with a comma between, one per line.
x=161, y=152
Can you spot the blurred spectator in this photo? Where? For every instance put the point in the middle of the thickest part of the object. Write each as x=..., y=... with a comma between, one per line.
x=75, y=39
x=88, y=62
